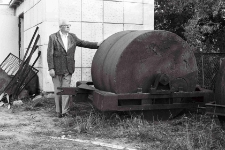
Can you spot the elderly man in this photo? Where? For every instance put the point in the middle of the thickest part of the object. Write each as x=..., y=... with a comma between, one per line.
x=61, y=63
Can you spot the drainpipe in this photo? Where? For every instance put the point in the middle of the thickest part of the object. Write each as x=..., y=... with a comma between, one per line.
x=19, y=25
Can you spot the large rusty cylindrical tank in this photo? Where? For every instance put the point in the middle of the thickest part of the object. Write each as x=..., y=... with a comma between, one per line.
x=129, y=60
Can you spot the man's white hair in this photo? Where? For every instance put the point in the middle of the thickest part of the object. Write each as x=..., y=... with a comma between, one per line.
x=63, y=22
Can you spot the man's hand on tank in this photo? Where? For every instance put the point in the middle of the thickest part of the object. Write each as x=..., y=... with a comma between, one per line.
x=52, y=73
x=99, y=43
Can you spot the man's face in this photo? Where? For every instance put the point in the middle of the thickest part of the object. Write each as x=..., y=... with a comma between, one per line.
x=65, y=28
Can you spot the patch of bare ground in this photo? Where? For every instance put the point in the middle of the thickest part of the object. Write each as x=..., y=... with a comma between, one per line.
x=34, y=125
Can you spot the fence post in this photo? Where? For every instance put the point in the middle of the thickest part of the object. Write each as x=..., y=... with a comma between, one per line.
x=203, y=84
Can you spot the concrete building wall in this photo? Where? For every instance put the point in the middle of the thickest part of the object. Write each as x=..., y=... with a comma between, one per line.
x=6, y=11
x=91, y=20
x=8, y=32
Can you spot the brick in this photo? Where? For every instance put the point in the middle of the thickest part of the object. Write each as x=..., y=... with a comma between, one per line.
x=35, y=2
x=40, y=12
x=34, y=56
x=110, y=29
x=92, y=32
x=115, y=0
x=148, y=1
x=134, y=1
x=78, y=57
x=113, y=12
x=87, y=56
x=26, y=5
x=92, y=15
x=70, y=10
x=133, y=13
x=31, y=3
x=46, y=29
x=52, y=10
x=45, y=80
x=149, y=15
x=26, y=20
x=86, y=74
x=42, y=61
x=133, y=27
x=26, y=38
x=32, y=17
x=76, y=77
x=148, y=27
x=76, y=28
x=35, y=9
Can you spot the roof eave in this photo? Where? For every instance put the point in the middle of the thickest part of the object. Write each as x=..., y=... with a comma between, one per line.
x=15, y=3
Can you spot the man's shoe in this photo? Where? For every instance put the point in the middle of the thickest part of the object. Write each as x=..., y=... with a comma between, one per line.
x=67, y=115
x=59, y=115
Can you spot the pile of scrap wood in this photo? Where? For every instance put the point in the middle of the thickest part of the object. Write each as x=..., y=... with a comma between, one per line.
x=17, y=75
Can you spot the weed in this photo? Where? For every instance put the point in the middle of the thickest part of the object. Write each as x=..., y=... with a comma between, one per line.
x=6, y=137
x=44, y=132
x=5, y=125
x=190, y=131
x=186, y=133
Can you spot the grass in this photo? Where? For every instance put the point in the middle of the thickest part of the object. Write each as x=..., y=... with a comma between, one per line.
x=188, y=132
x=5, y=125
x=44, y=132
x=6, y=137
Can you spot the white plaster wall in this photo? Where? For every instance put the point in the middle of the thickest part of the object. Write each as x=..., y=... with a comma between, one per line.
x=92, y=20
x=5, y=10
x=8, y=32
x=36, y=14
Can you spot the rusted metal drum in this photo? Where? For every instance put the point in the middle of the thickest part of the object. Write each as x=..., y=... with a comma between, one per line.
x=100, y=56
x=130, y=60
x=220, y=85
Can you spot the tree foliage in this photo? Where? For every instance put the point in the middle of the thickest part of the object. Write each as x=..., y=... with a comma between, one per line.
x=200, y=22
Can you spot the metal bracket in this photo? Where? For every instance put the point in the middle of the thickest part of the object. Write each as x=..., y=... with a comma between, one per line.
x=82, y=88
x=71, y=91
x=161, y=85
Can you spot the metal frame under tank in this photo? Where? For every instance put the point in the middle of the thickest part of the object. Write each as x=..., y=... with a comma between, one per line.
x=155, y=100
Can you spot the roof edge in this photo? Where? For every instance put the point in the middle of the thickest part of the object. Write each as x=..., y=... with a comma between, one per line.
x=15, y=3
